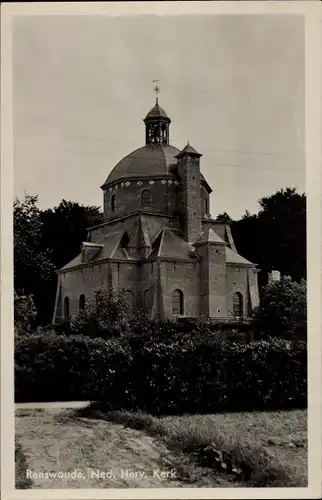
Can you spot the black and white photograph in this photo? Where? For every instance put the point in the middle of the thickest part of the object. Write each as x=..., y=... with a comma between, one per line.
x=159, y=219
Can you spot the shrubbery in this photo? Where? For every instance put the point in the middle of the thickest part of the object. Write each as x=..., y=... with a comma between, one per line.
x=282, y=311
x=24, y=313
x=191, y=373
x=51, y=367
x=105, y=316
x=208, y=377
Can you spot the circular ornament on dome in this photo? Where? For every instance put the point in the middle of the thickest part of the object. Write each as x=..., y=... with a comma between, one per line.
x=116, y=187
x=176, y=183
x=169, y=181
x=163, y=181
x=127, y=183
x=110, y=189
x=139, y=183
x=151, y=182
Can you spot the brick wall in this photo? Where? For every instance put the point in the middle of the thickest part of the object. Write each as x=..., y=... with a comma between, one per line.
x=213, y=280
x=128, y=198
x=189, y=172
x=236, y=281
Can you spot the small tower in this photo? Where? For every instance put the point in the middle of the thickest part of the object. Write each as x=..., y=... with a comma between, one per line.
x=188, y=161
x=157, y=124
x=211, y=250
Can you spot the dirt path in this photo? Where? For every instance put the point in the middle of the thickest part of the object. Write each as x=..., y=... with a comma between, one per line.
x=104, y=454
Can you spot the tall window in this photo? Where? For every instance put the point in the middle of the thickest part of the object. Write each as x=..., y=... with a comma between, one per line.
x=146, y=198
x=177, y=303
x=238, y=305
x=206, y=205
x=66, y=307
x=113, y=203
x=81, y=302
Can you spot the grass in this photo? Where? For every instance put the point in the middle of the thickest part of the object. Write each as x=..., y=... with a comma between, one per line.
x=260, y=449
x=22, y=482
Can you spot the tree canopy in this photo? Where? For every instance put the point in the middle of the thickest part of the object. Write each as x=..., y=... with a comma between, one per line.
x=44, y=241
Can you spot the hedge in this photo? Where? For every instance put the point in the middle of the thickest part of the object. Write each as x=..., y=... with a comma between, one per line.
x=51, y=367
x=192, y=374
x=208, y=377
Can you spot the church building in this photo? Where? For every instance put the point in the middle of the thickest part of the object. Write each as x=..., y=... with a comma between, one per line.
x=158, y=240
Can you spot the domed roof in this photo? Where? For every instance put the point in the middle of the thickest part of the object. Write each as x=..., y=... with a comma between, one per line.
x=148, y=161
x=156, y=112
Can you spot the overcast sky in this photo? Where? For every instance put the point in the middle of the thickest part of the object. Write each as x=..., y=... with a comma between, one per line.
x=232, y=85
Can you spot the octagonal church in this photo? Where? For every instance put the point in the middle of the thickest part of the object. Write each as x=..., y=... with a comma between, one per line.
x=158, y=240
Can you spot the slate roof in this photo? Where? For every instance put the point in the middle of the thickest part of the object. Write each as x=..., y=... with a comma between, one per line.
x=156, y=112
x=149, y=161
x=234, y=258
x=168, y=244
x=188, y=149
x=209, y=236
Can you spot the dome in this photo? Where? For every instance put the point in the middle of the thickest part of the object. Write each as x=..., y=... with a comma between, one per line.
x=151, y=160
x=156, y=112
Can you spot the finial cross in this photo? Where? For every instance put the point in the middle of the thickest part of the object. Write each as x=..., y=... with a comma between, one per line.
x=156, y=88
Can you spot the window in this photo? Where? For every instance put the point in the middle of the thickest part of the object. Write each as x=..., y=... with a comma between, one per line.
x=113, y=203
x=66, y=307
x=163, y=133
x=238, y=305
x=177, y=303
x=206, y=205
x=146, y=198
x=81, y=302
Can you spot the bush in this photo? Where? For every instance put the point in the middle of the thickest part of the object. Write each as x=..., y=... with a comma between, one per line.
x=25, y=313
x=194, y=373
x=282, y=311
x=51, y=367
x=105, y=316
x=206, y=377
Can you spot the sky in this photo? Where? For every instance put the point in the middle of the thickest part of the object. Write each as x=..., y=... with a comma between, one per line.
x=233, y=86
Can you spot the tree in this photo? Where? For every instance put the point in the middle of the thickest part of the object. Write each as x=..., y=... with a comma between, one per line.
x=33, y=266
x=104, y=316
x=283, y=310
x=224, y=218
x=65, y=228
x=276, y=236
x=24, y=313
x=63, y=231
x=282, y=219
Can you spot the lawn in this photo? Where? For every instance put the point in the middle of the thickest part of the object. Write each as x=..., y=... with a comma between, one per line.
x=282, y=434
x=259, y=448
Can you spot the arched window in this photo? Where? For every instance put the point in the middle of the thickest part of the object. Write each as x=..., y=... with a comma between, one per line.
x=66, y=307
x=164, y=133
x=81, y=302
x=146, y=198
x=238, y=305
x=113, y=203
x=177, y=303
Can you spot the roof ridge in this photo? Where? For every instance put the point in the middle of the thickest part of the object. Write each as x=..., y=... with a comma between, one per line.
x=161, y=241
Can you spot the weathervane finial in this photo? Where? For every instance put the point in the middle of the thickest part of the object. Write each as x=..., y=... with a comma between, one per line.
x=156, y=89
